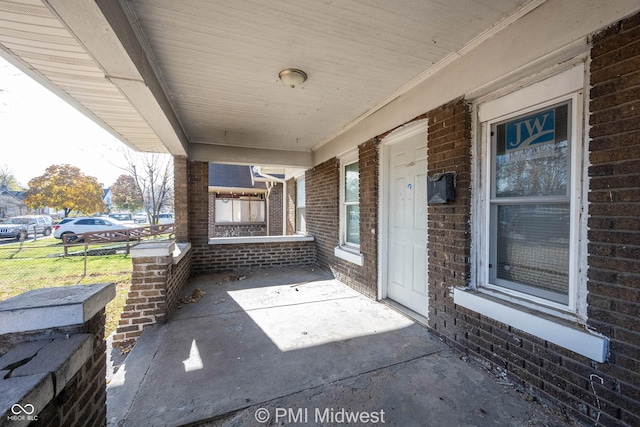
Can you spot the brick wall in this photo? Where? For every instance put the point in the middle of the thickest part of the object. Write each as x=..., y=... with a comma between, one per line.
x=179, y=275
x=156, y=283
x=614, y=215
x=180, y=198
x=239, y=230
x=291, y=207
x=323, y=218
x=221, y=257
x=83, y=401
x=449, y=150
x=567, y=380
x=275, y=210
x=198, y=196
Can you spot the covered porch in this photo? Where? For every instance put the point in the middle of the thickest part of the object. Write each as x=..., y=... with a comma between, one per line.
x=297, y=347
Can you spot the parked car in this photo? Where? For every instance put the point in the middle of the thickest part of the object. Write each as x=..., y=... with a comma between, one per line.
x=140, y=218
x=20, y=227
x=87, y=225
x=166, y=218
x=121, y=216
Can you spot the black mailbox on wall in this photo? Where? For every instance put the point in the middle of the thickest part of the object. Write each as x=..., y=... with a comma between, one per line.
x=440, y=188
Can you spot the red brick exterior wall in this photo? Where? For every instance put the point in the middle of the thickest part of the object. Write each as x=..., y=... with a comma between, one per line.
x=567, y=380
x=275, y=210
x=180, y=198
x=323, y=218
x=614, y=216
x=449, y=241
x=156, y=284
x=179, y=275
x=291, y=207
x=198, y=195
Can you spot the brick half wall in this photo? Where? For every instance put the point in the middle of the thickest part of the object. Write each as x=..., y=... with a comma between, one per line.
x=267, y=254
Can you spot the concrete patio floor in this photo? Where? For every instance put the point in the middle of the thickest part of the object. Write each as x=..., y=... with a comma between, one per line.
x=304, y=349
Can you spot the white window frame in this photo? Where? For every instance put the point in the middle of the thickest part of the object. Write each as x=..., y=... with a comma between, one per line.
x=346, y=250
x=564, y=325
x=301, y=223
x=249, y=199
x=567, y=86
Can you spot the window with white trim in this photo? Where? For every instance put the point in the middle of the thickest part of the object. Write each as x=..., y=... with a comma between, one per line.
x=349, y=247
x=350, y=205
x=532, y=172
x=301, y=215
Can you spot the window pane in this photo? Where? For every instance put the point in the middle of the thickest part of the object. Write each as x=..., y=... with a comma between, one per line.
x=257, y=211
x=301, y=220
x=223, y=210
x=351, y=183
x=300, y=193
x=353, y=224
x=531, y=154
x=532, y=249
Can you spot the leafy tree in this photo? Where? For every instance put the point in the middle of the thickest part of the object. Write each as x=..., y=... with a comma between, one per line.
x=65, y=187
x=126, y=194
x=8, y=179
x=153, y=174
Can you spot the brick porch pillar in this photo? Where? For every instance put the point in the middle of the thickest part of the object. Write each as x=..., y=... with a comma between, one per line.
x=147, y=300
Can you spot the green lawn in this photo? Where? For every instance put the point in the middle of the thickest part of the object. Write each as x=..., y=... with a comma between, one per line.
x=38, y=265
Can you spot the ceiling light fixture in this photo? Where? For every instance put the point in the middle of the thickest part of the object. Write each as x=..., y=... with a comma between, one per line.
x=292, y=77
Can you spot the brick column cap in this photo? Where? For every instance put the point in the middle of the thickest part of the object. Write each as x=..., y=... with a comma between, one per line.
x=54, y=307
x=152, y=249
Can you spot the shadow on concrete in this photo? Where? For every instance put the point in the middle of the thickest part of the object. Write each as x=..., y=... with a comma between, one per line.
x=296, y=338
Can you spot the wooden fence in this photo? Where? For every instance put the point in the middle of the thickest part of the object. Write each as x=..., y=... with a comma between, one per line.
x=111, y=236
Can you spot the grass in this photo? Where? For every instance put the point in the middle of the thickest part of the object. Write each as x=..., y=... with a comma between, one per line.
x=39, y=265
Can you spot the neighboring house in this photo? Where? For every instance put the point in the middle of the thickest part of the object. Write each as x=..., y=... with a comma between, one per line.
x=12, y=202
x=244, y=203
x=107, y=197
x=532, y=108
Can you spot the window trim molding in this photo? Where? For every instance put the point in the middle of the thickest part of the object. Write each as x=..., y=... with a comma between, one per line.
x=541, y=320
x=569, y=84
x=346, y=251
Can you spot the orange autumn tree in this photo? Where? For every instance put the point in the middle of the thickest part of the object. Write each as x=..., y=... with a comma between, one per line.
x=65, y=187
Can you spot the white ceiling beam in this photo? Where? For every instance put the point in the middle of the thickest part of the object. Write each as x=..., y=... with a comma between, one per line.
x=103, y=29
x=249, y=156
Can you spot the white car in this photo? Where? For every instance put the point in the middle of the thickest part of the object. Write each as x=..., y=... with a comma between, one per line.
x=166, y=218
x=87, y=225
x=140, y=218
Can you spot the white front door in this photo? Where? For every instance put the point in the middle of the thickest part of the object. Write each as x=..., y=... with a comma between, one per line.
x=407, y=219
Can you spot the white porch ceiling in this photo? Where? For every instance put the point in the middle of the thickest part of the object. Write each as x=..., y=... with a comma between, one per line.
x=202, y=76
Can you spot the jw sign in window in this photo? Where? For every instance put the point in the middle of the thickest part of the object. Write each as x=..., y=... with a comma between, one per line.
x=530, y=203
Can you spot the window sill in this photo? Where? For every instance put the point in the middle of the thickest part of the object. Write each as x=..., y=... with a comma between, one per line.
x=566, y=334
x=260, y=239
x=349, y=255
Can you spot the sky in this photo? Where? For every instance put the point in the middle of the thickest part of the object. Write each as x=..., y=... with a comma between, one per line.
x=38, y=129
